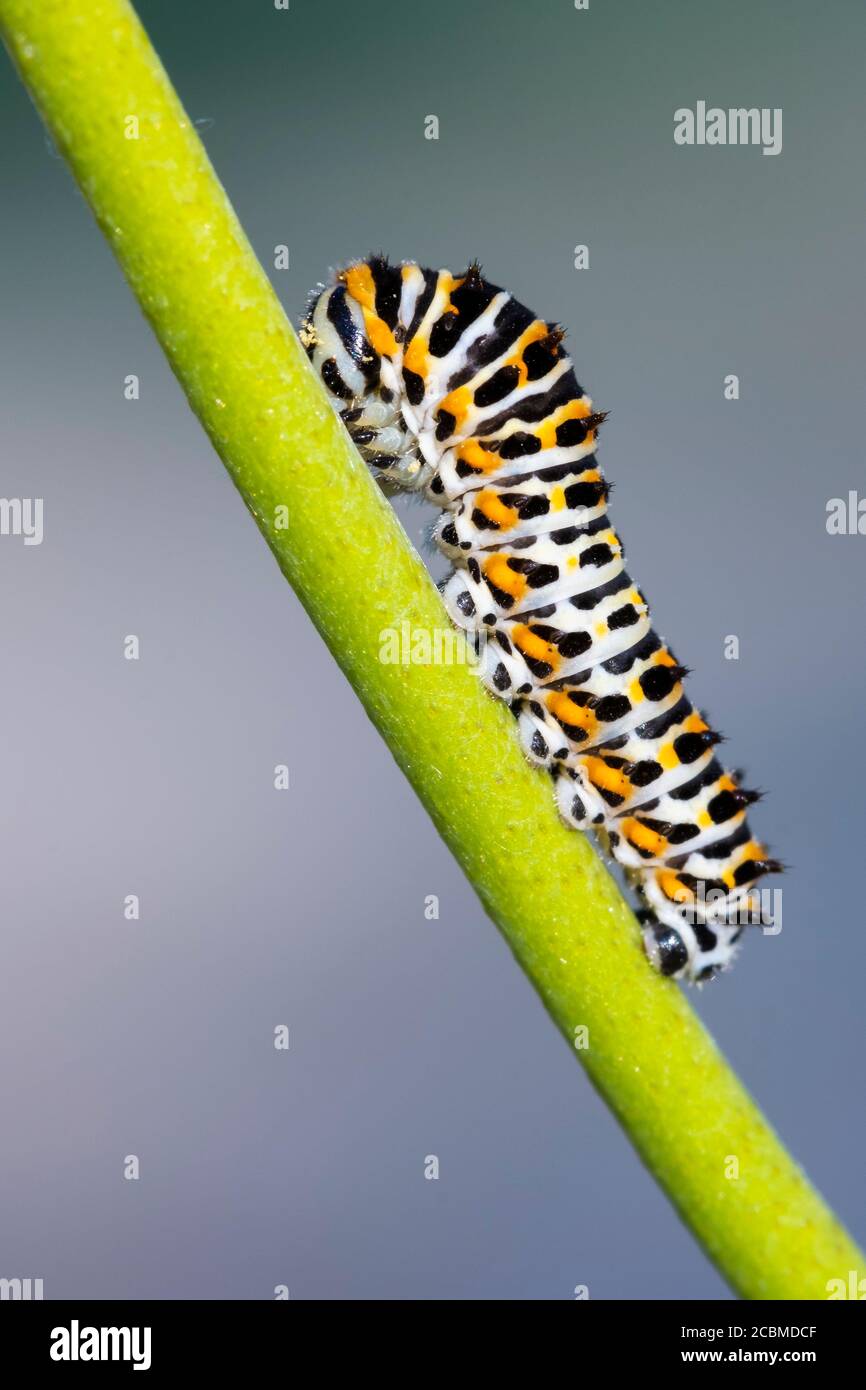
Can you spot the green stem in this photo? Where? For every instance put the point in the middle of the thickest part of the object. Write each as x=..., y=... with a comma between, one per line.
x=95, y=78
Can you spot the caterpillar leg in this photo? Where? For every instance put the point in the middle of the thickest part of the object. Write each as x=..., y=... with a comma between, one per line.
x=577, y=801
x=498, y=668
x=460, y=595
x=536, y=737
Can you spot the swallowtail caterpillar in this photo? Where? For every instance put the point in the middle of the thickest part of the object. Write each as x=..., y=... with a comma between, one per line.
x=452, y=388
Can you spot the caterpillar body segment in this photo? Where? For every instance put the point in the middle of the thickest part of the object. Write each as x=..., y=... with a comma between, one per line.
x=452, y=388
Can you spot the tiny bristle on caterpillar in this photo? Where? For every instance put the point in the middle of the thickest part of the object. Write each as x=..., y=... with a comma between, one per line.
x=450, y=387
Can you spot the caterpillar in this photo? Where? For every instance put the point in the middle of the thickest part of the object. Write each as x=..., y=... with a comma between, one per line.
x=452, y=388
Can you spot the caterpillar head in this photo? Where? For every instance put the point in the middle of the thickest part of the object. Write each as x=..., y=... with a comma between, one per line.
x=333, y=333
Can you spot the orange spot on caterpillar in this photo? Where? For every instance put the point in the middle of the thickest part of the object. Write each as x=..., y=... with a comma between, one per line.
x=500, y=574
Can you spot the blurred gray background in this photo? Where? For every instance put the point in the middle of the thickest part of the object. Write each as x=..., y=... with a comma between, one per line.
x=411, y=1037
